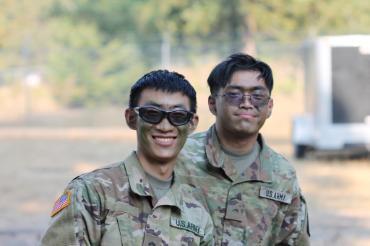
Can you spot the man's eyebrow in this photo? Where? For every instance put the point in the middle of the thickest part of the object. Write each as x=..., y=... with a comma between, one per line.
x=150, y=103
x=234, y=87
x=253, y=88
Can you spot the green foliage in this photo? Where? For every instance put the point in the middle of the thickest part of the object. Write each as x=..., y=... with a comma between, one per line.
x=92, y=50
x=88, y=71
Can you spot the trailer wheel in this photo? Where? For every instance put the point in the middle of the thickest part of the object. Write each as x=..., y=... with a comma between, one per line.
x=300, y=151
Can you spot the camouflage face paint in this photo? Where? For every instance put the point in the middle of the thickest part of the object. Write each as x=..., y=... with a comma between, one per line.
x=144, y=138
x=183, y=134
x=143, y=130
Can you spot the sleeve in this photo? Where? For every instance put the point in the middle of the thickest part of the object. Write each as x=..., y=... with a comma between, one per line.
x=78, y=221
x=295, y=228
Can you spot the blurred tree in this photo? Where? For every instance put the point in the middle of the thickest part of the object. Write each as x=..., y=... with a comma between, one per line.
x=86, y=69
x=237, y=24
x=21, y=25
x=98, y=47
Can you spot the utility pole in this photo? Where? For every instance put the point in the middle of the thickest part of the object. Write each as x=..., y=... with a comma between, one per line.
x=166, y=50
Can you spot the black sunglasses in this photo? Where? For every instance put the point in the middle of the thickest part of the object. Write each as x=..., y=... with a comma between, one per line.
x=154, y=115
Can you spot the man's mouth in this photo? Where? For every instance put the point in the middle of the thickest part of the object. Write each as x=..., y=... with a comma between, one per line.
x=164, y=141
x=246, y=115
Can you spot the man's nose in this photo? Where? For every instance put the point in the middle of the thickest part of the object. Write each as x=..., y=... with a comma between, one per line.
x=246, y=100
x=164, y=125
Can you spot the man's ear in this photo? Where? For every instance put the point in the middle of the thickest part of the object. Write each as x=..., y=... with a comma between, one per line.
x=131, y=118
x=193, y=123
x=212, y=105
x=270, y=105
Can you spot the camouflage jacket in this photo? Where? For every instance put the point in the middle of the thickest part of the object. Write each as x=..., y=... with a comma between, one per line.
x=116, y=206
x=262, y=206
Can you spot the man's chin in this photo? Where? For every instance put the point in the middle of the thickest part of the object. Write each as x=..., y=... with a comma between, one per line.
x=244, y=132
x=163, y=159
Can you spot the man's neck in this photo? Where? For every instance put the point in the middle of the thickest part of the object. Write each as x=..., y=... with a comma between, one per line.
x=236, y=144
x=158, y=170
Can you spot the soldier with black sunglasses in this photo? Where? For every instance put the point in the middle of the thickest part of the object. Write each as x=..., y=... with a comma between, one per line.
x=142, y=200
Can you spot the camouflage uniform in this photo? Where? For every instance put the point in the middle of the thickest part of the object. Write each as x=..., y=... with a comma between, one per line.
x=116, y=206
x=262, y=206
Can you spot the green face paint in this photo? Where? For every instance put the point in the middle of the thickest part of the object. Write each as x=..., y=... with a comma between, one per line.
x=183, y=134
x=150, y=148
x=143, y=131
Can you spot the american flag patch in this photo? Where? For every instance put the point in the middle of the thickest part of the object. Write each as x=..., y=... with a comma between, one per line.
x=62, y=202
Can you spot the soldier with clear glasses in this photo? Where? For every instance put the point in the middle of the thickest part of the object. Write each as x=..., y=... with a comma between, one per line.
x=252, y=191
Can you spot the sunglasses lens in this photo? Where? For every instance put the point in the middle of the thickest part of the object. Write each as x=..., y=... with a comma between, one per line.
x=255, y=99
x=259, y=100
x=179, y=117
x=151, y=115
x=234, y=98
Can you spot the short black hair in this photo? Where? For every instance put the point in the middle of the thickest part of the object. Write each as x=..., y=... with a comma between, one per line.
x=220, y=75
x=165, y=81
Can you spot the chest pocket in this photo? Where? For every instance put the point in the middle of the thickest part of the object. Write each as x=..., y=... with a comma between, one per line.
x=249, y=216
x=124, y=227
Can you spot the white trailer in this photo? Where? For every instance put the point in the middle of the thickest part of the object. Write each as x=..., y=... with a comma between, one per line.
x=337, y=96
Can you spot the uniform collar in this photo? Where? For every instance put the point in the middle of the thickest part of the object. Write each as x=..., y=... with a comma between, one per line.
x=173, y=197
x=259, y=170
x=137, y=179
x=139, y=183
